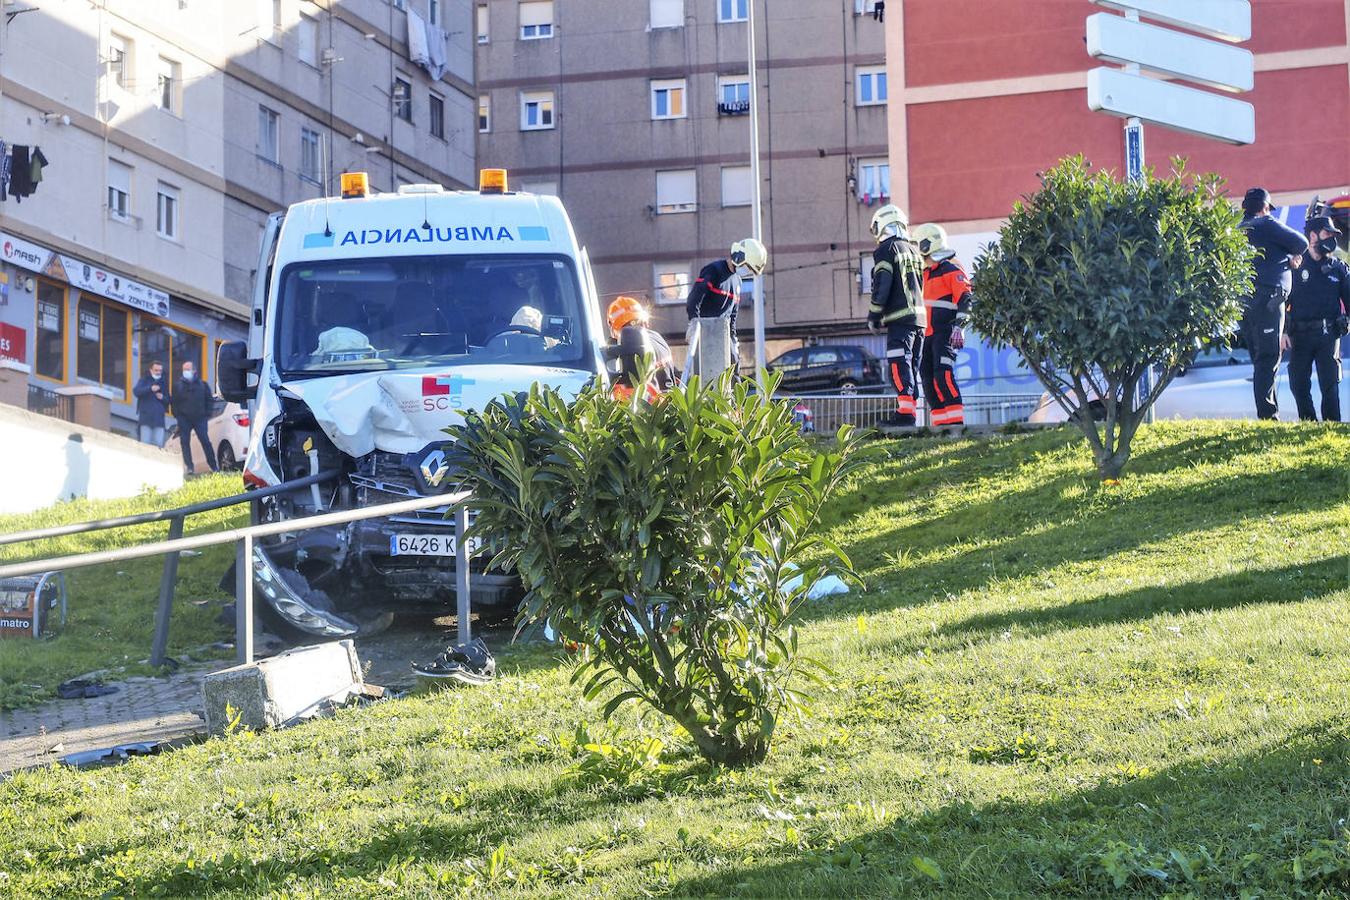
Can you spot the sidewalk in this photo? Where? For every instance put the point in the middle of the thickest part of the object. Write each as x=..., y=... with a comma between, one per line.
x=143, y=709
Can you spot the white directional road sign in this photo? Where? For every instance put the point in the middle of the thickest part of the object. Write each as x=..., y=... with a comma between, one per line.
x=1185, y=109
x=1228, y=20
x=1113, y=39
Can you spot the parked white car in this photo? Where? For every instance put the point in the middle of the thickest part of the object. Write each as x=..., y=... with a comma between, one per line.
x=1218, y=385
x=228, y=430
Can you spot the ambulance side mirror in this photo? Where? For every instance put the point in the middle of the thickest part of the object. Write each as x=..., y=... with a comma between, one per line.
x=233, y=368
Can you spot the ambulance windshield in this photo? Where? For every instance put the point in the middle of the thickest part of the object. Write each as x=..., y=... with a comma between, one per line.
x=356, y=315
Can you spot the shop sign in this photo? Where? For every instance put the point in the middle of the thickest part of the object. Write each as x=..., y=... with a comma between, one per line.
x=83, y=275
x=24, y=254
x=13, y=342
x=92, y=279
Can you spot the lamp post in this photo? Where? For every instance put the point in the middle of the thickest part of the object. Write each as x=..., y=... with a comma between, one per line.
x=756, y=198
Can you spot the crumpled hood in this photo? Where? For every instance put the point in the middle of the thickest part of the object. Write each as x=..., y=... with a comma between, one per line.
x=402, y=412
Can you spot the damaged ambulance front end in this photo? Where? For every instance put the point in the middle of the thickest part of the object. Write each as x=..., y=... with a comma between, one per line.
x=370, y=340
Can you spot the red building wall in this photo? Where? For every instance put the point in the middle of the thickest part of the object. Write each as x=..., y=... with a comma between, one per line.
x=953, y=41
x=971, y=157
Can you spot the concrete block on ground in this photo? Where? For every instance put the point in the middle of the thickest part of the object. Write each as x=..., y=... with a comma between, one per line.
x=273, y=692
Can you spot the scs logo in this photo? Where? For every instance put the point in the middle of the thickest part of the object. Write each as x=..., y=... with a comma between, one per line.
x=443, y=392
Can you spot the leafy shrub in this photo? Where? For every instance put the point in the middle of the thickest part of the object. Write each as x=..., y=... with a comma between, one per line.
x=1095, y=280
x=663, y=538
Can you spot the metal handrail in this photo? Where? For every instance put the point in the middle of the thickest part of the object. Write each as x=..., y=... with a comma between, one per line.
x=215, y=538
x=165, y=515
x=243, y=539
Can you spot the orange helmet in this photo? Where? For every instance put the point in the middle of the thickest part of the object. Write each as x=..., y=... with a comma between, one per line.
x=625, y=311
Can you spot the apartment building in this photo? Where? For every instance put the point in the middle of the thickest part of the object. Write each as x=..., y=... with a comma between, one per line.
x=636, y=115
x=170, y=130
x=984, y=94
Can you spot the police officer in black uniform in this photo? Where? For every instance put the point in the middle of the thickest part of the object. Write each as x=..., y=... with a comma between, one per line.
x=1316, y=322
x=1278, y=246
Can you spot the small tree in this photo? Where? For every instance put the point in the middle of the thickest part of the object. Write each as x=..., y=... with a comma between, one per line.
x=1095, y=281
x=663, y=538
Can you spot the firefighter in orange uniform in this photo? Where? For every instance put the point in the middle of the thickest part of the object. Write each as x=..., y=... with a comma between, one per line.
x=628, y=325
x=947, y=298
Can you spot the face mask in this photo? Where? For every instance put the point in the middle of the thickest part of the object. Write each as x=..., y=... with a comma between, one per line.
x=1327, y=246
x=154, y=376
x=188, y=376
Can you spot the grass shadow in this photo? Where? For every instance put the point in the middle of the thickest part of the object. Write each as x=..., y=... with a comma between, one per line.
x=1194, y=829
x=1294, y=583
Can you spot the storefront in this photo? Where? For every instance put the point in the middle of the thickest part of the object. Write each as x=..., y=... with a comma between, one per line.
x=80, y=329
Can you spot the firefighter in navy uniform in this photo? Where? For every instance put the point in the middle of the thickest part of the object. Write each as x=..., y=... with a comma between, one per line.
x=716, y=292
x=947, y=299
x=1278, y=247
x=897, y=304
x=1316, y=321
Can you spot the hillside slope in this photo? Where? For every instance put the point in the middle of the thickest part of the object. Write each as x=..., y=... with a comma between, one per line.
x=1049, y=687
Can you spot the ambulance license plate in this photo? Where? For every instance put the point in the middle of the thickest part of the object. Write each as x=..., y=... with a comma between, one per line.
x=421, y=545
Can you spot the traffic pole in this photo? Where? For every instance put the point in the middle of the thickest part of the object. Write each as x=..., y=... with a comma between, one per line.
x=1134, y=171
x=756, y=195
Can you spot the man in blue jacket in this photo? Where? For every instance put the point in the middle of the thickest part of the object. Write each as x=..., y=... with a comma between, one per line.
x=152, y=402
x=1277, y=248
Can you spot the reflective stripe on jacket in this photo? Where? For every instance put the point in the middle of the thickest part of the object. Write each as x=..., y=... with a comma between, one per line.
x=897, y=281
x=946, y=294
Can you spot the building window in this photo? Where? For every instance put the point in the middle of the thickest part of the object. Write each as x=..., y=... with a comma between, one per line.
x=731, y=10
x=676, y=191
x=119, y=60
x=748, y=283
x=102, y=345
x=308, y=35
x=670, y=282
x=667, y=13
x=172, y=345
x=536, y=20
x=482, y=18
x=403, y=99
x=874, y=180
x=269, y=19
x=865, y=263
x=119, y=190
x=485, y=114
x=536, y=111
x=166, y=212
x=736, y=186
x=268, y=130
x=168, y=86
x=668, y=99
x=436, y=115
x=434, y=12
x=871, y=85
x=50, y=361
x=733, y=95
x=309, y=154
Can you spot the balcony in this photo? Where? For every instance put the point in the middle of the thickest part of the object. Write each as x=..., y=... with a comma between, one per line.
x=734, y=108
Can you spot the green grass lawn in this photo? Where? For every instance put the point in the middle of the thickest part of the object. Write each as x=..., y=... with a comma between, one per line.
x=1050, y=687
x=112, y=607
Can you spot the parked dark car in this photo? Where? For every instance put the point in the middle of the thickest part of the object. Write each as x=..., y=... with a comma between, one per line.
x=843, y=370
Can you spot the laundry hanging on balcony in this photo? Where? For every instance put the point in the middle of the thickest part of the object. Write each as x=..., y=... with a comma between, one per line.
x=426, y=45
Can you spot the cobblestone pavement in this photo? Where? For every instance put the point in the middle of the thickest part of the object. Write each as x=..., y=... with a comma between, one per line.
x=149, y=709
x=143, y=709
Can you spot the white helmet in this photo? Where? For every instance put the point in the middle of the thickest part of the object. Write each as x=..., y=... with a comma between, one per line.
x=751, y=254
x=889, y=221
x=932, y=241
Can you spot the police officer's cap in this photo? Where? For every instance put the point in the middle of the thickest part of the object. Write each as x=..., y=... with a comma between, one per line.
x=1321, y=223
x=1257, y=198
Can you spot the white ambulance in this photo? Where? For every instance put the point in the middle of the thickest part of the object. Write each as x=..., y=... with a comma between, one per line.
x=377, y=321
